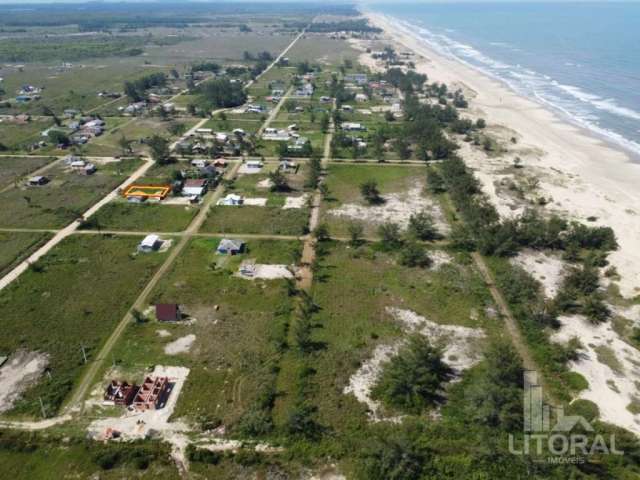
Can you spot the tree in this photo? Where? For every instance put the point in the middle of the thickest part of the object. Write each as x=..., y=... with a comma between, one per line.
x=355, y=233
x=414, y=255
x=435, y=182
x=322, y=232
x=324, y=123
x=422, y=227
x=58, y=138
x=480, y=123
x=124, y=144
x=390, y=235
x=402, y=148
x=370, y=192
x=278, y=181
x=159, y=149
x=413, y=379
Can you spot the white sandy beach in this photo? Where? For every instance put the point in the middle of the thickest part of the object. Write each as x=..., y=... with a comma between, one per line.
x=582, y=175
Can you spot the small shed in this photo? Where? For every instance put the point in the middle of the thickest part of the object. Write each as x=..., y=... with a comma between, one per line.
x=149, y=243
x=229, y=246
x=38, y=180
x=168, y=312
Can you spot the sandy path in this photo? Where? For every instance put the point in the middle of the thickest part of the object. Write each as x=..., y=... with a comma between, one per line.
x=603, y=181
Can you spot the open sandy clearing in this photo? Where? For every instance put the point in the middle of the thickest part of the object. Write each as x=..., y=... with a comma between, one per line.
x=295, y=202
x=20, y=370
x=397, y=208
x=547, y=269
x=610, y=365
x=461, y=352
x=251, y=271
x=180, y=345
x=258, y=202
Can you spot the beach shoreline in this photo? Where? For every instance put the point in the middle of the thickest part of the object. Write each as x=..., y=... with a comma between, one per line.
x=585, y=178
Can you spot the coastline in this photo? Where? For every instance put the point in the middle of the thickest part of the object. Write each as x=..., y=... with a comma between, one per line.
x=584, y=177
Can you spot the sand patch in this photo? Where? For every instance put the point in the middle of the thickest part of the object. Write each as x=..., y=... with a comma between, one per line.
x=251, y=271
x=397, y=208
x=266, y=183
x=21, y=370
x=163, y=333
x=295, y=202
x=439, y=259
x=181, y=345
x=609, y=364
x=257, y=202
x=246, y=170
x=547, y=269
x=461, y=352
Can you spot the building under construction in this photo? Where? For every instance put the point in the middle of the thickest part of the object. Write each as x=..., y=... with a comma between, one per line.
x=152, y=394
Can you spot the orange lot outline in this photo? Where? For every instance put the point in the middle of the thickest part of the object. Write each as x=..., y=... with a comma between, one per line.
x=148, y=191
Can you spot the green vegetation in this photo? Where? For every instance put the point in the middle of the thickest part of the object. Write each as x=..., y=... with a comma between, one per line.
x=63, y=199
x=145, y=217
x=15, y=246
x=72, y=298
x=413, y=380
x=253, y=219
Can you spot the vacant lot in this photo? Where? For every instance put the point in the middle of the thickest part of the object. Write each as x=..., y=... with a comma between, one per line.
x=74, y=297
x=119, y=215
x=63, y=199
x=14, y=246
x=253, y=219
x=13, y=168
x=16, y=137
x=343, y=182
x=321, y=49
x=353, y=289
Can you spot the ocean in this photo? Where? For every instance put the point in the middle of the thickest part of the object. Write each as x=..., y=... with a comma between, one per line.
x=580, y=59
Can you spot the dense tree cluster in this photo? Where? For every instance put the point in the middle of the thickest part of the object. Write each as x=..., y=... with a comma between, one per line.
x=136, y=90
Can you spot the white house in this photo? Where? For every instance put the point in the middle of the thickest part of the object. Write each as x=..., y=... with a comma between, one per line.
x=150, y=243
x=231, y=200
x=350, y=126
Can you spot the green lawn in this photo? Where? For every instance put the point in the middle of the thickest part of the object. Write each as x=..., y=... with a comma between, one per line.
x=75, y=296
x=119, y=215
x=16, y=137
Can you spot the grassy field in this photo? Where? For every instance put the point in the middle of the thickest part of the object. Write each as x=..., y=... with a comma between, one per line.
x=13, y=168
x=120, y=215
x=253, y=219
x=321, y=49
x=62, y=200
x=28, y=456
x=352, y=289
x=16, y=137
x=77, y=87
x=237, y=323
x=74, y=297
x=343, y=182
x=14, y=246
